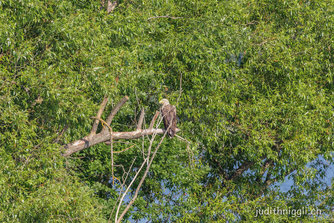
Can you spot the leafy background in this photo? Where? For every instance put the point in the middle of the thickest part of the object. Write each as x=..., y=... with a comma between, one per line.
x=255, y=100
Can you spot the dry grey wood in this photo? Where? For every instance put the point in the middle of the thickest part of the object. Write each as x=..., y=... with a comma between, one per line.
x=111, y=6
x=89, y=141
x=98, y=115
x=150, y=159
x=153, y=119
x=115, y=110
x=141, y=119
x=107, y=135
x=104, y=135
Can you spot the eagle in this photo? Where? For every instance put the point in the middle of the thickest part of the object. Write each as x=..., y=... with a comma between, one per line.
x=168, y=113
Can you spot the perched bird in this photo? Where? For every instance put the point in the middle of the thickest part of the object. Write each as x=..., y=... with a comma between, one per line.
x=168, y=113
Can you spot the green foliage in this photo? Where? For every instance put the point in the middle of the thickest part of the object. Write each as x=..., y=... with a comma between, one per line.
x=34, y=184
x=252, y=82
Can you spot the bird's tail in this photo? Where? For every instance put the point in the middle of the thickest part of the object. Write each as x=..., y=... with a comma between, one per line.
x=171, y=133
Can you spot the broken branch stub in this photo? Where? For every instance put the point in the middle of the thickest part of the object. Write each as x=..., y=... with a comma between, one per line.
x=95, y=138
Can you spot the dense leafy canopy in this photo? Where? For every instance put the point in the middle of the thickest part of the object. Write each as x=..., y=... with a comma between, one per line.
x=252, y=82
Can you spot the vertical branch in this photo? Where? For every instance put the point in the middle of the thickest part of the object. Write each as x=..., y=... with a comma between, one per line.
x=151, y=141
x=112, y=159
x=111, y=152
x=141, y=119
x=180, y=91
x=98, y=115
x=111, y=6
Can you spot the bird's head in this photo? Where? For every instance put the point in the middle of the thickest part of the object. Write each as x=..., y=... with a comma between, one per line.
x=164, y=101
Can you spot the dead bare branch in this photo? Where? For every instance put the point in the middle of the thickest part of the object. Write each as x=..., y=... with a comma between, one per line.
x=87, y=142
x=180, y=91
x=127, y=189
x=112, y=156
x=151, y=141
x=142, y=179
x=107, y=135
x=104, y=135
x=111, y=6
x=116, y=109
x=153, y=120
x=141, y=119
x=148, y=162
x=98, y=115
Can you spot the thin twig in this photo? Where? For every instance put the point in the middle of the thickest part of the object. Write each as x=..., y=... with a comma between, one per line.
x=148, y=163
x=60, y=134
x=180, y=91
x=151, y=141
x=127, y=189
x=123, y=183
x=142, y=179
x=251, y=23
x=143, y=146
x=112, y=158
x=104, y=123
x=182, y=138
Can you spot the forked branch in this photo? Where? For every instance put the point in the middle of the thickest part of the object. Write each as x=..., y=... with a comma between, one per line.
x=104, y=136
